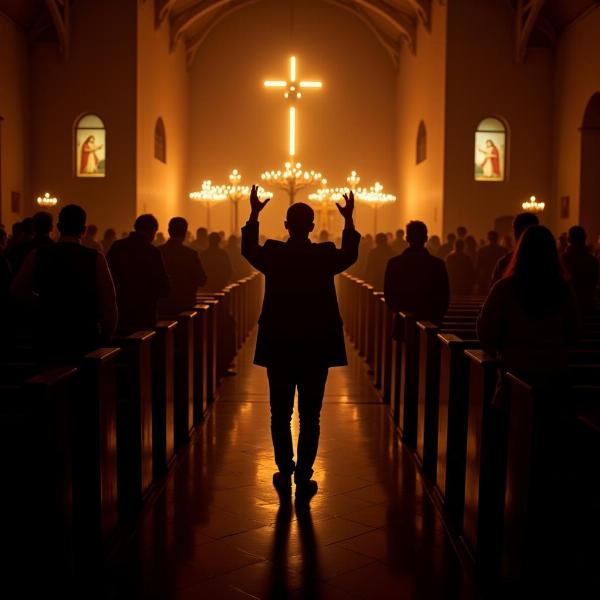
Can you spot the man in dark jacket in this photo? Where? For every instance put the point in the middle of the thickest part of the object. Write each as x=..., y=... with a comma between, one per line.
x=417, y=282
x=183, y=268
x=582, y=267
x=300, y=329
x=140, y=277
x=377, y=261
x=216, y=264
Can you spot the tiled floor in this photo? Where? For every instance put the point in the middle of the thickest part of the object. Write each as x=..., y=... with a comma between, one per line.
x=219, y=531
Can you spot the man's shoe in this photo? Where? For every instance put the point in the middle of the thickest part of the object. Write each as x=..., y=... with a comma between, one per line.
x=282, y=483
x=305, y=490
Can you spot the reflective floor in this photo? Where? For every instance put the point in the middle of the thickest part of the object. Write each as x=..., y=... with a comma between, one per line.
x=218, y=529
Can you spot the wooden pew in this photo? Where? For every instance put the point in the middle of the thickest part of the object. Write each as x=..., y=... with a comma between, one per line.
x=134, y=421
x=212, y=324
x=163, y=398
x=201, y=362
x=453, y=399
x=409, y=378
x=94, y=430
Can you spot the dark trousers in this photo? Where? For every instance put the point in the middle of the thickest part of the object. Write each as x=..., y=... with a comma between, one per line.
x=310, y=382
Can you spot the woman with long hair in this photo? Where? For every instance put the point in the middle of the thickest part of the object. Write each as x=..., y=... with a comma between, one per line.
x=530, y=316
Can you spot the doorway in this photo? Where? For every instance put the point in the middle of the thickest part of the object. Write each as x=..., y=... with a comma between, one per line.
x=589, y=213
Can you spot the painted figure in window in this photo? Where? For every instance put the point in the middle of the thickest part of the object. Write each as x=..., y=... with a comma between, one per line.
x=89, y=161
x=491, y=161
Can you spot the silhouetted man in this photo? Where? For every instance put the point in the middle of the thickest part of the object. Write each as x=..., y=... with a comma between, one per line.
x=200, y=244
x=582, y=267
x=487, y=257
x=41, y=226
x=300, y=331
x=140, y=276
x=75, y=292
x=416, y=281
x=89, y=239
x=216, y=264
x=239, y=265
x=461, y=272
x=377, y=261
x=184, y=269
x=446, y=248
x=520, y=223
x=399, y=245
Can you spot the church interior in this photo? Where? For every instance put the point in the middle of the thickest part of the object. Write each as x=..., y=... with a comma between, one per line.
x=145, y=283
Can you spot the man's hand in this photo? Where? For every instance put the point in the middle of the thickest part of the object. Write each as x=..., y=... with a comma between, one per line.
x=347, y=210
x=255, y=204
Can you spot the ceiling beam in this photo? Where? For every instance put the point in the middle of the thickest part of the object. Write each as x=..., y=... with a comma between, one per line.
x=528, y=12
x=162, y=9
x=423, y=10
x=391, y=45
x=402, y=24
x=61, y=18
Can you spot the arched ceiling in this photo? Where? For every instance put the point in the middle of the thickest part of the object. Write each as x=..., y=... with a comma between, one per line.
x=392, y=22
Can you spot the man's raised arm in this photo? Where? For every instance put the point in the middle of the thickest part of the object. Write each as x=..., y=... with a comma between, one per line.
x=251, y=250
x=347, y=255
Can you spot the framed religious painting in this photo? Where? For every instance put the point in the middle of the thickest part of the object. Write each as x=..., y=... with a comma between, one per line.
x=490, y=150
x=90, y=147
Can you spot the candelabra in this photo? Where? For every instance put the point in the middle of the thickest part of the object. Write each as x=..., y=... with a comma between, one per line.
x=236, y=192
x=209, y=195
x=292, y=179
x=375, y=197
x=47, y=201
x=533, y=205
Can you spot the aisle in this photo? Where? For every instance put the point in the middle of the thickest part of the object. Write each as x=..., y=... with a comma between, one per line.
x=218, y=531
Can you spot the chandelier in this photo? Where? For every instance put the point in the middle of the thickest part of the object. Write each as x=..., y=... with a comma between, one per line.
x=533, y=205
x=209, y=195
x=376, y=198
x=236, y=192
x=292, y=179
x=47, y=200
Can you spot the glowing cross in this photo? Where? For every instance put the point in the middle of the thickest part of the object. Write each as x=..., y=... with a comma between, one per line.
x=293, y=92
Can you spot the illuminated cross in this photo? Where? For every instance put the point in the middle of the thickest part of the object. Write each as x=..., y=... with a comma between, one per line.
x=293, y=92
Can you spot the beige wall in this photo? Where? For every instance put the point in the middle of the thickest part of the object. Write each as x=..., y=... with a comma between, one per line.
x=420, y=95
x=483, y=79
x=577, y=79
x=235, y=123
x=14, y=89
x=162, y=91
x=99, y=77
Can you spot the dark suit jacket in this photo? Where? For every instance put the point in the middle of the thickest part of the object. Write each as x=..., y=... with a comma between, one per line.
x=185, y=274
x=140, y=280
x=300, y=322
x=417, y=282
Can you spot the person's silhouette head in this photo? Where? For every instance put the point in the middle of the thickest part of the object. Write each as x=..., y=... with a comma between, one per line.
x=400, y=234
x=91, y=231
x=28, y=229
x=71, y=221
x=201, y=234
x=492, y=237
x=381, y=240
x=461, y=232
x=300, y=220
x=416, y=234
x=110, y=235
x=178, y=228
x=324, y=236
x=451, y=238
x=42, y=223
x=232, y=241
x=577, y=236
x=214, y=240
x=522, y=221
x=146, y=226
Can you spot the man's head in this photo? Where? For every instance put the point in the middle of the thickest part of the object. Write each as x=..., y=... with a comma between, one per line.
x=461, y=232
x=178, y=228
x=451, y=238
x=522, y=221
x=400, y=234
x=71, y=221
x=42, y=223
x=381, y=239
x=146, y=226
x=91, y=231
x=416, y=234
x=577, y=235
x=300, y=219
x=214, y=240
x=27, y=224
x=492, y=237
x=201, y=234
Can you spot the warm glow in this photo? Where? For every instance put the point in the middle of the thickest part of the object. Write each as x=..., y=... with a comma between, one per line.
x=292, y=179
x=533, y=205
x=375, y=196
x=292, y=131
x=293, y=69
x=293, y=94
x=47, y=200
